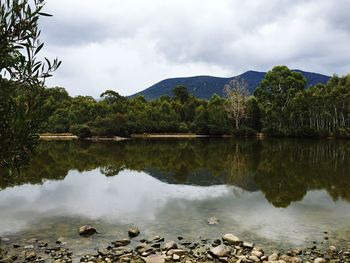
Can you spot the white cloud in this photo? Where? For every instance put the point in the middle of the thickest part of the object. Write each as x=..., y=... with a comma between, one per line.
x=130, y=45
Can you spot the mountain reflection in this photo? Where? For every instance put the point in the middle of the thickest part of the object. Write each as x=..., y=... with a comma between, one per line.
x=284, y=170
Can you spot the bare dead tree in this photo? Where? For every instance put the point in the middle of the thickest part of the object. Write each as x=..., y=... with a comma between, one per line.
x=237, y=94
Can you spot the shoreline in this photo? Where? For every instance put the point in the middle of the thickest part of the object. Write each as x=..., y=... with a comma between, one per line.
x=258, y=136
x=137, y=249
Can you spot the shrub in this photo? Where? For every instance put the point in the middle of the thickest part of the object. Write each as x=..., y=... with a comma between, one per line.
x=82, y=131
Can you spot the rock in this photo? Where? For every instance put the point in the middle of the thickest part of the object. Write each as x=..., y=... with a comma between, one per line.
x=254, y=258
x=231, y=239
x=29, y=247
x=102, y=251
x=143, y=248
x=180, y=238
x=4, y=239
x=273, y=257
x=320, y=260
x=257, y=253
x=213, y=220
x=176, y=257
x=121, y=243
x=220, y=251
x=30, y=255
x=332, y=249
x=16, y=245
x=6, y=260
x=295, y=260
x=155, y=258
x=60, y=240
x=133, y=232
x=248, y=245
x=179, y=252
x=86, y=231
x=169, y=245
x=216, y=242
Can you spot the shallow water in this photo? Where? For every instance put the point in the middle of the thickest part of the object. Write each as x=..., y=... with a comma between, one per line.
x=276, y=193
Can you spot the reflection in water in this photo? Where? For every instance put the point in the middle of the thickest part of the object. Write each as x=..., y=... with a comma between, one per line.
x=284, y=170
x=171, y=187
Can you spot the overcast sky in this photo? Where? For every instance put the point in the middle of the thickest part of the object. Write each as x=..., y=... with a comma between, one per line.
x=128, y=45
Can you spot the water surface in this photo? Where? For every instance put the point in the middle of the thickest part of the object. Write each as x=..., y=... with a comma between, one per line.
x=272, y=192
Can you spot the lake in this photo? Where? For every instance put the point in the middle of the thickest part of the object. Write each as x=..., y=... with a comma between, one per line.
x=277, y=193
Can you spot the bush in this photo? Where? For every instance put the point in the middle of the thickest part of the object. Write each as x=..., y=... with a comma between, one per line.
x=274, y=132
x=305, y=132
x=82, y=131
x=245, y=132
x=342, y=133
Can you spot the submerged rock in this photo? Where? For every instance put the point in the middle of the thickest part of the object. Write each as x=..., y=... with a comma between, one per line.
x=87, y=231
x=133, y=232
x=213, y=220
x=121, y=243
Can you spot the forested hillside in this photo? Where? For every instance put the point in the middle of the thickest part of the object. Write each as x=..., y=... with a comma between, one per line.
x=205, y=87
x=280, y=106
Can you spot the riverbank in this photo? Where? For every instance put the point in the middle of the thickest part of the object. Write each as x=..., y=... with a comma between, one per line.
x=137, y=249
x=70, y=136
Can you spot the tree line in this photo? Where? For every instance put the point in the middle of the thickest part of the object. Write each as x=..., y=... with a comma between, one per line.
x=282, y=105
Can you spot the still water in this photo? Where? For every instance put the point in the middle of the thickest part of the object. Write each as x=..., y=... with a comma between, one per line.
x=276, y=193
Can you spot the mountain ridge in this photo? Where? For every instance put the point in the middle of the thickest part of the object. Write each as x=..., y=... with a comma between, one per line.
x=204, y=86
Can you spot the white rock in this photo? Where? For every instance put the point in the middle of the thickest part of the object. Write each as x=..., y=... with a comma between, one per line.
x=231, y=239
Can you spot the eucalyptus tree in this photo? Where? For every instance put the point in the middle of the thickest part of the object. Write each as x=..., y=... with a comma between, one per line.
x=275, y=93
x=237, y=95
x=22, y=77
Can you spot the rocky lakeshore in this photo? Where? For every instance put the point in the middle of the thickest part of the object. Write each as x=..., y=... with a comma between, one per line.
x=229, y=248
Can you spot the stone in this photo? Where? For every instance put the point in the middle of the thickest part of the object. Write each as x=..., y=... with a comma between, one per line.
x=216, y=242
x=176, y=257
x=248, y=245
x=213, y=220
x=273, y=257
x=86, y=231
x=6, y=260
x=30, y=255
x=254, y=258
x=231, y=239
x=220, y=251
x=121, y=243
x=29, y=247
x=179, y=252
x=133, y=232
x=4, y=239
x=332, y=249
x=102, y=251
x=320, y=260
x=169, y=245
x=295, y=260
x=155, y=258
x=257, y=253
x=144, y=248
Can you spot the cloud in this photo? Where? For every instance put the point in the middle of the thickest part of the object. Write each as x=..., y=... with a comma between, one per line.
x=130, y=45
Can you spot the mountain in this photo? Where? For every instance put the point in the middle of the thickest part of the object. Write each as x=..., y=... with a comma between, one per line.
x=205, y=86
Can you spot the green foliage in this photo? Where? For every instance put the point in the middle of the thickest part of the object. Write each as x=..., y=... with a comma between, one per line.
x=22, y=78
x=82, y=131
x=281, y=107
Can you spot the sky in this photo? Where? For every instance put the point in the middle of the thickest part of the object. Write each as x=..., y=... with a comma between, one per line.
x=129, y=45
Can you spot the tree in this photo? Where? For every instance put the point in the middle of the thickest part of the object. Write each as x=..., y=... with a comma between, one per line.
x=237, y=94
x=275, y=93
x=22, y=79
x=181, y=93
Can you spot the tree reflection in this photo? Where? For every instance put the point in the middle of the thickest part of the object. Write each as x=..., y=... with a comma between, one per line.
x=284, y=170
